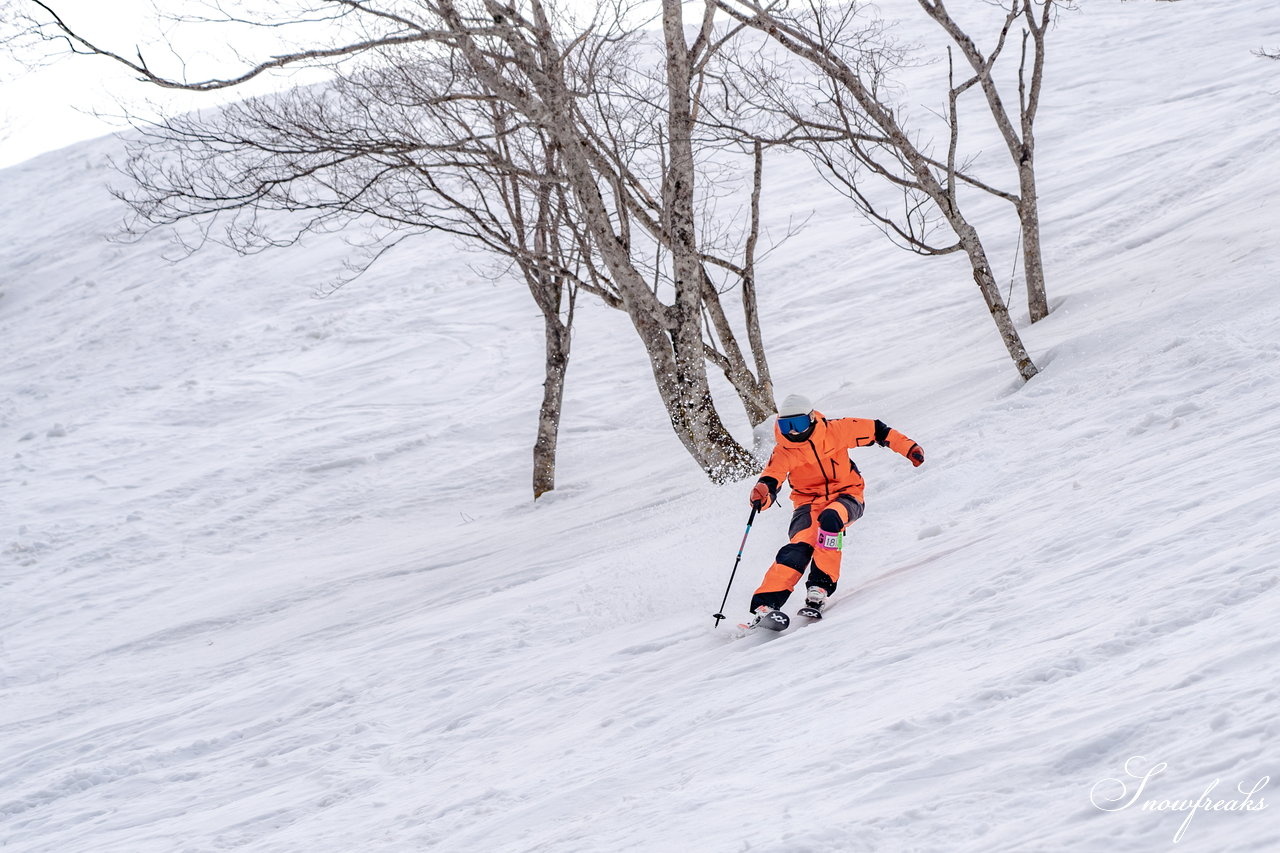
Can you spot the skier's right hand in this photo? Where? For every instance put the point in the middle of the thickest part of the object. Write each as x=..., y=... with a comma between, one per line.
x=761, y=497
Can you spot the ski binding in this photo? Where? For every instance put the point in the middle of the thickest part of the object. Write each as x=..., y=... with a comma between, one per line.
x=774, y=620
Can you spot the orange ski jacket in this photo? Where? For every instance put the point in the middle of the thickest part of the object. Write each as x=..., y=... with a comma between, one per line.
x=820, y=467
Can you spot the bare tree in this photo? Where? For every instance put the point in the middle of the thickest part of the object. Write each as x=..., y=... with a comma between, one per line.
x=532, y=75
x=642, y=140
x=336, y=159
x=1019, y=136
x=847, y=120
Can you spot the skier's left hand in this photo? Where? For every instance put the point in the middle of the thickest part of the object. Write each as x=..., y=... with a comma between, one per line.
x=761, y=497
x=916, y=455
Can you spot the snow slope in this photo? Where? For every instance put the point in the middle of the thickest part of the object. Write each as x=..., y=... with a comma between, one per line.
x=270, y=578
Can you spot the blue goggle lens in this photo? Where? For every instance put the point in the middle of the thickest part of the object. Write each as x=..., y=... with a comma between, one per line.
x=795, y=423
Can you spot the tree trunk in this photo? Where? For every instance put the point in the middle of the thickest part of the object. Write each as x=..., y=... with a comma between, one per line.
x=680, y=374
x=1032, y=258
x=690, y=403
x=672, y=335
x=756, y=398
x=672, y=339
x=990, y=288
x=750, y=307
x=557, y=363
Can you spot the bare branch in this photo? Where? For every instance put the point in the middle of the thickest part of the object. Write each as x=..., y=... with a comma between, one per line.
x=81, y=45
x=856, y=110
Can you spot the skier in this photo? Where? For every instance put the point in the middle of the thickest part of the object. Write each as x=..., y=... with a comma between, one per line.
x=826, y=490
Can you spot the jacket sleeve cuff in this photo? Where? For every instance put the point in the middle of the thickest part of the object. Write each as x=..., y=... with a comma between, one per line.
x=899, y=443
x=772, y=485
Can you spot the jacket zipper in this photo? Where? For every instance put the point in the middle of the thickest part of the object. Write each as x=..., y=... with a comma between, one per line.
x=818, y=459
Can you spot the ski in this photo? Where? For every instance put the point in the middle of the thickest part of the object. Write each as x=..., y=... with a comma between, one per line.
x=774, y=620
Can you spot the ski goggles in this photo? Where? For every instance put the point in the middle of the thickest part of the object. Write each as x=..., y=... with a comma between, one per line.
x=794, y=423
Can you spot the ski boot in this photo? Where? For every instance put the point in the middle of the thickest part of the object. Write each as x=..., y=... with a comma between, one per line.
x=769, y=618
x=815, y=598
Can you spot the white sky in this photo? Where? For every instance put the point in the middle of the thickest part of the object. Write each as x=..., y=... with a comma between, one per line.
x=55, y=105
x=50, y=108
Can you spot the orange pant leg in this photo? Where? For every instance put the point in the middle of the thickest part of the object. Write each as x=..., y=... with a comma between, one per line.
x=834, y=517
x=802, y=551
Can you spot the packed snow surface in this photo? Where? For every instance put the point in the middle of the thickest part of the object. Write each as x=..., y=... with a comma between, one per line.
x=271, y=577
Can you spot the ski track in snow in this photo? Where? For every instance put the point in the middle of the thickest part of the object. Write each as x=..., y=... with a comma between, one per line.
x=270, y=578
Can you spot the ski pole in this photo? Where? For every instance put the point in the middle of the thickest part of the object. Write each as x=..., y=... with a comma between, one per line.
x=720, y=615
